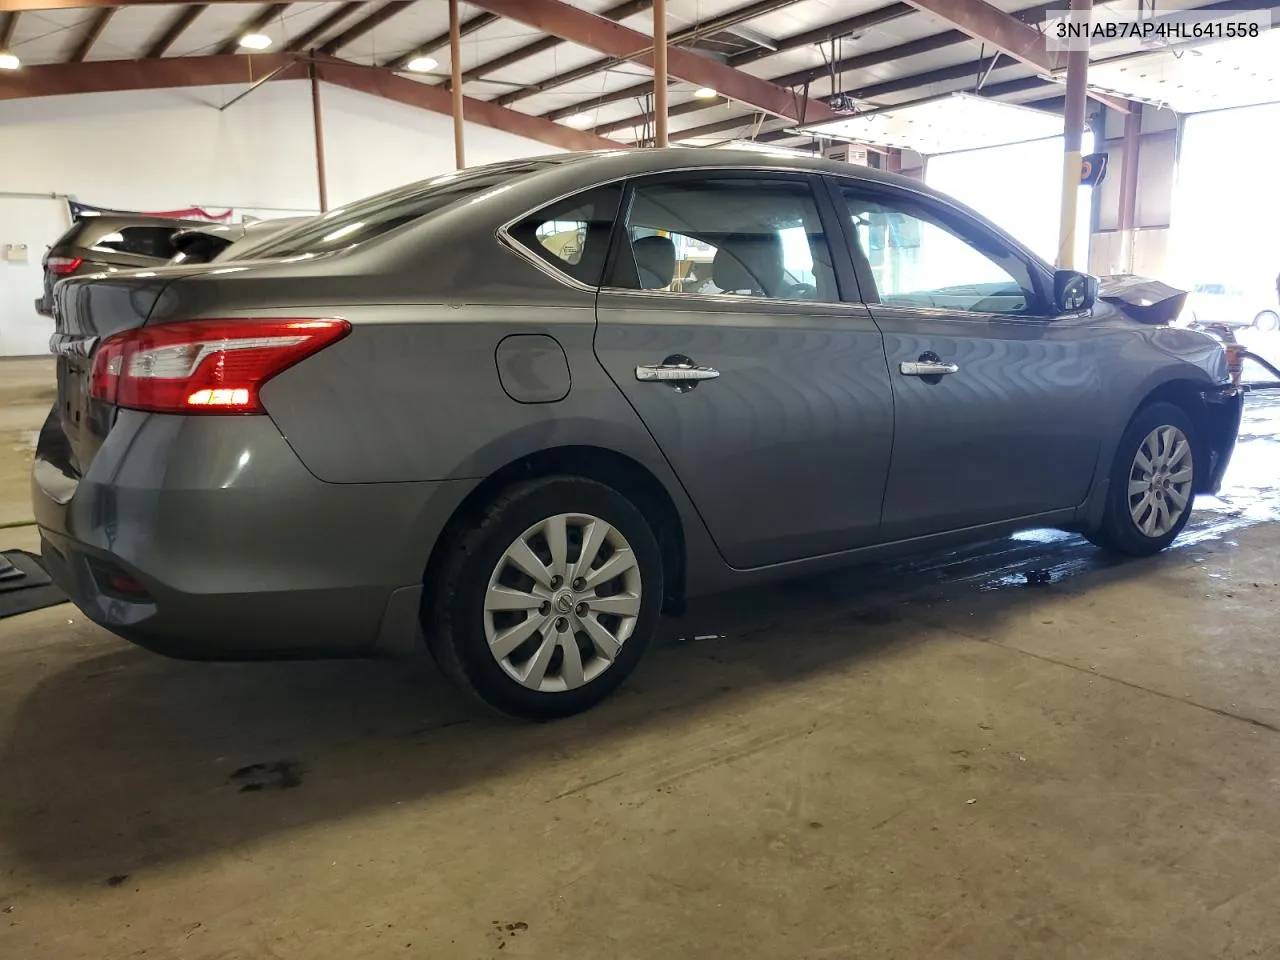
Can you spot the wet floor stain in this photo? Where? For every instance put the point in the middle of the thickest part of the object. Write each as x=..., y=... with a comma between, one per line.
x=1030, y=559
x=277, y=775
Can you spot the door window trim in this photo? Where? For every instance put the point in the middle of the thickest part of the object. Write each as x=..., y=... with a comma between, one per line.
x=961, y=222
x=833, y=234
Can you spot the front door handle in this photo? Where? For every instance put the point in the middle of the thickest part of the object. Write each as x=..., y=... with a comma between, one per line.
x=678, y=371
x=927, y=368
x=927, y=365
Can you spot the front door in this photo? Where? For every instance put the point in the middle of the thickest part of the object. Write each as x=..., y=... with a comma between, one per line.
x=996, y=402
x=722, y=323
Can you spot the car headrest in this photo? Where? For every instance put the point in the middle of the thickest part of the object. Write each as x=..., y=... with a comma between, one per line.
x=655, y=261
x=751, y=262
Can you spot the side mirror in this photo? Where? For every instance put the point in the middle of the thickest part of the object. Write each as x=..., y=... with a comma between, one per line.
x=1074, y=292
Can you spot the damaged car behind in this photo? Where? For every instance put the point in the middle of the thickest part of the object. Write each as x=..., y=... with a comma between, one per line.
x=516, y=413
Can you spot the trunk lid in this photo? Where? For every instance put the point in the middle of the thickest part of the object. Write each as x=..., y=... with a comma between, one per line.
x=86, y=311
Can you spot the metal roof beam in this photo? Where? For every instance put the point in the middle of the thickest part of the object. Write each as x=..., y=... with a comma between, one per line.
x=99, y=23
x=308, y=37
x=680, y=37
x=440, y=40
x=101, y=76
x=176, y=28
x=364, y=25
x=993, y=26
x=615, y=40
x=254, y=24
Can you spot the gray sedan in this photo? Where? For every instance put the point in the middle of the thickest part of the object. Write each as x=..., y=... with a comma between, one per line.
x=517, y=412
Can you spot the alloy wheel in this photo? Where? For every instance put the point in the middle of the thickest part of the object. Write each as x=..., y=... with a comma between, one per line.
x=561, y=602
x=1160, y=481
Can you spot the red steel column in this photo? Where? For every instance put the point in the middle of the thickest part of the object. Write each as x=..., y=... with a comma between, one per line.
x=455, y=61
x=318, y=125
x=659, y=73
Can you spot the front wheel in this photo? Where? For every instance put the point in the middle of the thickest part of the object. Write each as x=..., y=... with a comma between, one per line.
x=1267, y=321
x=1152, y=483
x=545, y=605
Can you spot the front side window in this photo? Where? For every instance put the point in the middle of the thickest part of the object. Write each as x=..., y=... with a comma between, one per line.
x=918, y=260
x=736, y=237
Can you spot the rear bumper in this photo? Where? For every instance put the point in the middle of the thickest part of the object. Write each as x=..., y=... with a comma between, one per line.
x=233, y=549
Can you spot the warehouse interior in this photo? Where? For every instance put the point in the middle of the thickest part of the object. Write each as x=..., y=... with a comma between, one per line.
x=1020, y=747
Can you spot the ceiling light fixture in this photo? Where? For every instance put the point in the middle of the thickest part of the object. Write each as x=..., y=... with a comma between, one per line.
x=422, y=64
x=705, y=93
x=579, y=120
x=255, y=41
x=9, y=61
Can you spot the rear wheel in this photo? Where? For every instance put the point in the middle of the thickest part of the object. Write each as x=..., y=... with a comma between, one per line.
x=1267, y=320
x=545, y=605
x=1152, y=483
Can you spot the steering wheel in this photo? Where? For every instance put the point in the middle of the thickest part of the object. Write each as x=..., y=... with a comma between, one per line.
x=801, y=291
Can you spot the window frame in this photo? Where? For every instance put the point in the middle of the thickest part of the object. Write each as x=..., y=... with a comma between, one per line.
x=832, y=229
x=958, y=221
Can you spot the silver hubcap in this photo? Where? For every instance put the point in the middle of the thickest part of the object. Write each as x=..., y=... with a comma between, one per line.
x=561, y=602
x=1160, y=481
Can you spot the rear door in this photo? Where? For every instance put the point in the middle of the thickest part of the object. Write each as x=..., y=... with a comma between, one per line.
x=996, y=401
x=722, y=321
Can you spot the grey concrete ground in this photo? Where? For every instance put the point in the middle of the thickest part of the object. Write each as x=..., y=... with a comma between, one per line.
x=925, y=760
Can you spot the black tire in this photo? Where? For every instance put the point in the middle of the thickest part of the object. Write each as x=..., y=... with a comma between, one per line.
x=454, y=615
x=1119, y=532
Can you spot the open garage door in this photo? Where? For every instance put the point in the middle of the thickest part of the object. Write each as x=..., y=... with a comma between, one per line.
x=1225, y=241
x=1017, y=186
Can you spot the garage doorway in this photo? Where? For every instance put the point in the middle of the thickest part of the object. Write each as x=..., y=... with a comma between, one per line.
x=1019, y=188
x=1224, y=244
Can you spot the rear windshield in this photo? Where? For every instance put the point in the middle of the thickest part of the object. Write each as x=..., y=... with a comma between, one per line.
x=382, y=212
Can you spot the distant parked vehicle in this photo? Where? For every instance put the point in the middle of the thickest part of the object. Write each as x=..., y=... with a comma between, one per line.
x=207, y=242
x=108, y=243
x=1219, y=303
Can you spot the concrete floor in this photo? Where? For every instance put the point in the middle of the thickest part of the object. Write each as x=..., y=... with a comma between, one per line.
x=924, y=760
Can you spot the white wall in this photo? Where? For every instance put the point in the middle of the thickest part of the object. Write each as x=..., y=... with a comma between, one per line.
x=162, y=149
x=172, y=149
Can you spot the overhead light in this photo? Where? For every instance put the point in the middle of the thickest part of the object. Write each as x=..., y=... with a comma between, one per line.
x=9, y=61
x=255, y=41
x=705, y=93
x=422, y=64
x=579, y=120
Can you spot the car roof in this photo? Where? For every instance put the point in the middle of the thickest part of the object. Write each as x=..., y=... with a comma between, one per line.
x=633, y=162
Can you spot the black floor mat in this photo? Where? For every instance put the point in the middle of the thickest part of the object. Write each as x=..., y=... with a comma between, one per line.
x=24, y=585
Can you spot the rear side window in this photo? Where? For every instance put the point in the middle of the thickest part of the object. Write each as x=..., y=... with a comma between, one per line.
x=727, y=236
x=153, y=242
x=572, y=235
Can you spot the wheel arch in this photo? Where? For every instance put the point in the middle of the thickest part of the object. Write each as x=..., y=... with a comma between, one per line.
x=1214, y=424
x=617, y=470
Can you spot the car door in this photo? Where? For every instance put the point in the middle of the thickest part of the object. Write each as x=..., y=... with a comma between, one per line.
x=722, y=322
x=996, y=402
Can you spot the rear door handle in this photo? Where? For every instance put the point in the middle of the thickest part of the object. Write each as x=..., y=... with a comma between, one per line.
x=927, y=368
x=678, y=371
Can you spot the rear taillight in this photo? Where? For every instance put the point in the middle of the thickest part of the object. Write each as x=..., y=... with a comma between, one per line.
x=203, y=366
x=61, y=266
